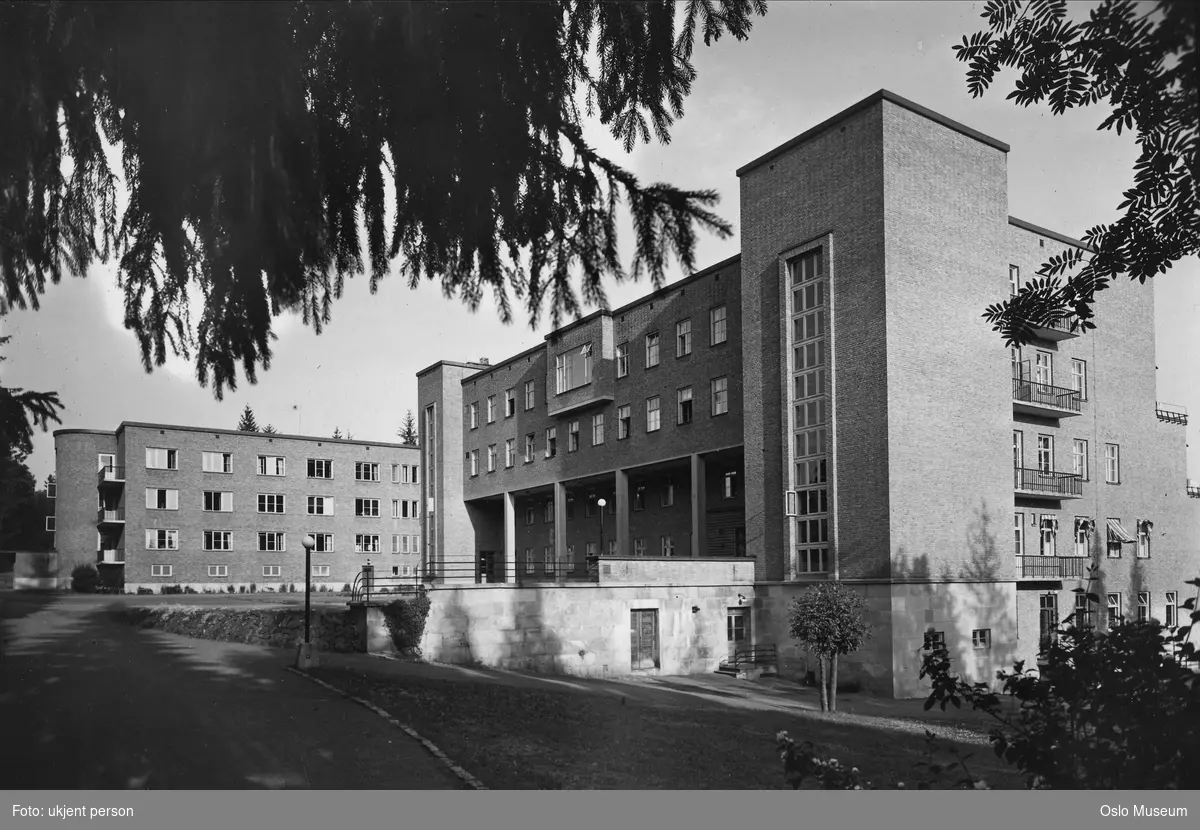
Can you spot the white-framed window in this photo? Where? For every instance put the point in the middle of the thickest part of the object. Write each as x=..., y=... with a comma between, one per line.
x=1018, y=449
x=159, y=539
x=530, y=447
x=717, y=325
x=473, y=415
x=272, y=570
x=639, y=547
x=651, y=349
x=366, y=471
x=218, y=540
x=720, y=396
x=320, y=570
x=162, y=570
x=1114, y=609
x=51, y=489
x=473, y=461
x=1082, y=618
x=1171, y=615
x=1112, y=463
x=1045, y=453
x=158, y=498
x=396, y=543
x=530, y=564
x=666, y=497
x=1114, y=541
x=551, y=442
x=573, y=368
x=1144, y=526
x=548, y=512
x=510, y=452
x=812, y=560
x=218, y=570
x=491, y=458
x=1014, y=279
x=683, y=338
x=320, y=505
x=396, y=473
x=510, y=402
x=981, y=639
x=597, y=429
x=668, y=545
x=530, y=395
x=1083, y=532
x=569, y=561
x=684, y=405
x=548, y=559
x=272, y=465
x=573, y=436
x=366, y=507
x=366, y=543
x=491, y=409
x=1079, y=458
x=729, y=485
x=416, y=475
x=1079, y=378
x=161, y=458
x=1143, y=606
x=1019, y=533
x=622, y=360
x=1047, y=619
x=1043, y=370
x=216, y=462
x=272, y=540
x=218, y=502
x=324, y=542
x=271, y=503
x=50, y=524
x=653, y=414
x=320, y=468
x=624, y=422
x=1049, y=534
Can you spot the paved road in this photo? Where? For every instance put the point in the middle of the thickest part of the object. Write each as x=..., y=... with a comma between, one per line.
x=89, y=703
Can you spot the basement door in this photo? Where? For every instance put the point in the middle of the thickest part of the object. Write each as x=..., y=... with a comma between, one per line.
x=737, y=630
x=643, y=639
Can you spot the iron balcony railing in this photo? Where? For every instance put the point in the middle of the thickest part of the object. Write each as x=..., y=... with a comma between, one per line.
x=1171, y=413
x=106, y=515
x=1029, y=391
x=1072, y=567
x=1053, y=567
x=1047, y=483
x=1193, y=490
x=110, y=474
x=1059, y=329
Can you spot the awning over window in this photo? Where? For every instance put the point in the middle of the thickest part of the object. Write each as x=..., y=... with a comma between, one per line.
x=1120, y=534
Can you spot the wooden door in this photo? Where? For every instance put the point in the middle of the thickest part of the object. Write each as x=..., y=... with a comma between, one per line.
x=737, y=630
x=643, y=643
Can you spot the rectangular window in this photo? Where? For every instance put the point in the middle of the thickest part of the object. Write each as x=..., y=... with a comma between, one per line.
x=1083, y=527
x=366, y=507
x=530, y=447
x=812, y=560
x=510, y=402
x=1114, y=541
x=622, y=360
x=1014, y=279
x=573, y=368
x=1045, y=453
x=668, y=545
x=593, y=550
x=598, y=429
x=1114, y=609
x=473, y=460
x=573, y=436
x=934, y=640
x=589, y=505
x=272, y=540
x=50, y=524
x=1047, y=619
x=981, y=639
x=1079, y=458
x=1143, y=606
x=218, y=540
x=320, y=570
x=324, y=544
x=366, y=543
x=218, y=502
x=320, y=468
x=530, y=514
x=666, y=496
x=366, y=471
x=415, y=474
x=716, y=325
x=651, y=350
x=720, y=396
x=530, y=565
x=160, y=499
x=162, y=570
x=396, y=474
x=216, y=462
x=1018, y=449
x=473, y=415
x=1143, y=538
x=1079, y=378
x=548, y=512
x=1170, y=619
x=569, y=565
x=1043, y=371
x=272, y=570
x=529, y=395
x=218, y=570
x=1082, y=618
x=51, y=489
x=510, y=452
x=1019, y=533
x=683, y=338
x=551, y=442
x=271, y=503
x=396, y=543
x=684, y=405
x=730, y=485
x=158, y=458
x=1112, y=463
x=652, y=414
x=320, y=506
x=548, y=559
x=570, y=506
x=491, y=409
x=272, y=465
x=396, y=509
x=639, y=497
x=1049, y=527
x=162, y=539
x=624, y=422
x=491, y=458
x=639, y=547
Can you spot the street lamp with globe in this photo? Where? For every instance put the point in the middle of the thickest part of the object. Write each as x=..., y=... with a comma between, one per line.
x=601, y=503
x=306, y=657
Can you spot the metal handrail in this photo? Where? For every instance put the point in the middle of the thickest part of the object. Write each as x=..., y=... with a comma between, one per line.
x=1171, y=413
x=1045, y=394
x=1047, y=481
x=753, y=656
x=368, y=584
x=111, y=472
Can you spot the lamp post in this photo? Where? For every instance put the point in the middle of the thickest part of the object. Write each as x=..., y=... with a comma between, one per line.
x=600, y=503
x=306, y=658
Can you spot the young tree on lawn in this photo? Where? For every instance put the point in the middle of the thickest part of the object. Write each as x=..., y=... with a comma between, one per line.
x=827, y=619
x=1144, y=64
x=247, y=423
x=259, y=140
x=270, y=430
x=408, y=430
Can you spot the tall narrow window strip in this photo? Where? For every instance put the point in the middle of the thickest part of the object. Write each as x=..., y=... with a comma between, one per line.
x=717, y=321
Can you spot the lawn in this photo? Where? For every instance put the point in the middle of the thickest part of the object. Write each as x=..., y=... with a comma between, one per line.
x=519, y=738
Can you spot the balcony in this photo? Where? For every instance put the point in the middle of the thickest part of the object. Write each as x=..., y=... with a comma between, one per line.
x=110, y=556
x=1033, y=398
x=110, y=474
x=1047, y=485
x=1055, y=330
x=1170, y=413
x=1193, y=490
x=107, y=516
x=1053, y=567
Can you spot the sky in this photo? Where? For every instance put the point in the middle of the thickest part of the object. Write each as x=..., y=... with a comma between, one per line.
x=803, y=63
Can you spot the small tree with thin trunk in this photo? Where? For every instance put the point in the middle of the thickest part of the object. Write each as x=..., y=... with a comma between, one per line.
x=247, y=424
x=827, y=619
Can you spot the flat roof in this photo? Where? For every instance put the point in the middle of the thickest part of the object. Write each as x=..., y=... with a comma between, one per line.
x=869, y=101
x=211, y=430
x=433, y=366
x=1029, y=226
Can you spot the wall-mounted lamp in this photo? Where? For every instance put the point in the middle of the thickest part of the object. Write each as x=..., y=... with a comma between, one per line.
x=695, y=609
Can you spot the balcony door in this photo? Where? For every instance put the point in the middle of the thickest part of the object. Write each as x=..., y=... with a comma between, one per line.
x=1044, y=370
x=737, y=630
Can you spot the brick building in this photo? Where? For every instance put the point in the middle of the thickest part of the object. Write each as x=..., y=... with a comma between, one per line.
x=830, y=404
x=212, y=508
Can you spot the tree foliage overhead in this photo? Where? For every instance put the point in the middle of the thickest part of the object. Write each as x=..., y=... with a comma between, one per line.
x=254, y=138
x=21, y=411
x=1141, y=60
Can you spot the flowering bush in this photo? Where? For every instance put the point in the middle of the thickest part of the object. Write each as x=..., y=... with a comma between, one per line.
x=801, y=763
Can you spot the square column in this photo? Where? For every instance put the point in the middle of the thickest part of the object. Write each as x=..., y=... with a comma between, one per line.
x=622, y=497
x=510, y=538
x=560, y=528
x=699, y=506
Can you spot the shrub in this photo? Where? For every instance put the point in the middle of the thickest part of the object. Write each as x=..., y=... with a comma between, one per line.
x=241, y=589
x=84, y=578
x=292, y=588
x=172, y=589
x=253, y=587
x=188, y=589
x=143, y=590
x=346, y=588
x=406, y=621
x=801, y=763
x=229, y=589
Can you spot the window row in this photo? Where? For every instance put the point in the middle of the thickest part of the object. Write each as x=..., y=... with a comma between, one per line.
x=163, y=570
x=1083, y=614
x=159, y=458
x=1080, y=464
x=216, y=501
x=638, y=500
x=269, y=540
x=1047, y=528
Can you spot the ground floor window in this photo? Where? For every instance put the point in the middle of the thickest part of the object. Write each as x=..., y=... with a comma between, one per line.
x=1047, y=619
x=643, y=643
